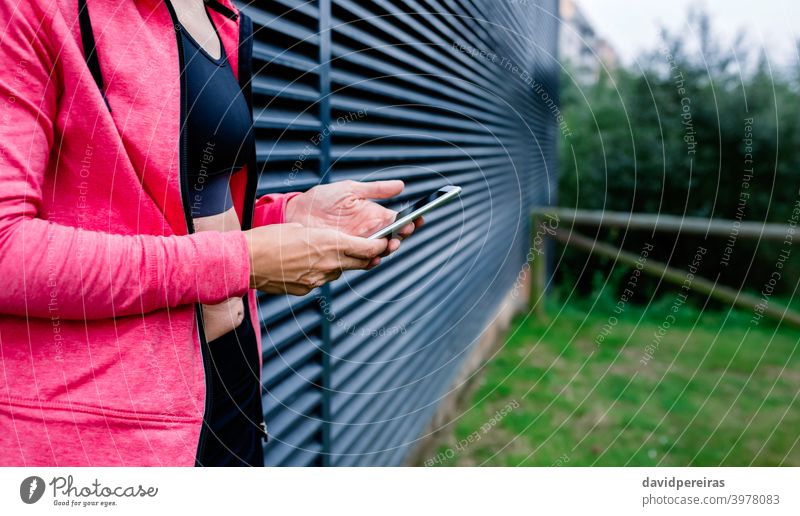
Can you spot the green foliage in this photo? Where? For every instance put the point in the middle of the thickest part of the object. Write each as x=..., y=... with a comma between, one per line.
x=672, y=137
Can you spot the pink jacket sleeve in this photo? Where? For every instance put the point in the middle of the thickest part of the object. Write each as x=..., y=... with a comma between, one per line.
x=270, y=209
x=93, y=274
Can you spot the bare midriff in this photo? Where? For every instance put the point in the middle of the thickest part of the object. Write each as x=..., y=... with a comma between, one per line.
x=221, y=318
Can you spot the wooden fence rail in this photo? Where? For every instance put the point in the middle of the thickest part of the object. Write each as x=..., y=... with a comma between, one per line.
x=668, y=223
x=664, y=223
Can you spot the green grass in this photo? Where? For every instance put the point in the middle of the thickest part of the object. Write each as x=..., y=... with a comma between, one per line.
x=717, y=391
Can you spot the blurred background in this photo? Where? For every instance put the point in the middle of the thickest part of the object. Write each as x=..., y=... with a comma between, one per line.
x=684, y=121
x=617, y=284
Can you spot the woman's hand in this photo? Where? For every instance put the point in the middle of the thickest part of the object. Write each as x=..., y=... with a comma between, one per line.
x=346, y=206
x=292, y=259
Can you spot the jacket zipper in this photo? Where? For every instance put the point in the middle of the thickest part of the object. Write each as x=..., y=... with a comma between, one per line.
x=251, y=186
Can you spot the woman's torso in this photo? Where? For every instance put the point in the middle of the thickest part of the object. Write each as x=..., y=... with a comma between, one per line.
x=219, y=130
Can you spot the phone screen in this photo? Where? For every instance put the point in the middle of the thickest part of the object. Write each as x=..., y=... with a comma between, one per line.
x=421, y=203
x=419, y=208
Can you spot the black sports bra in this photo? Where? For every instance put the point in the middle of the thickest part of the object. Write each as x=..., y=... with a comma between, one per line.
x=218, y=127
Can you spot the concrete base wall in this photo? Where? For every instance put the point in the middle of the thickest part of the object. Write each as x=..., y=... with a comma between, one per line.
x=515, y=302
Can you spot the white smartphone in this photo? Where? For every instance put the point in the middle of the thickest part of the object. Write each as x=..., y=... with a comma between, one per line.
x=421, y=207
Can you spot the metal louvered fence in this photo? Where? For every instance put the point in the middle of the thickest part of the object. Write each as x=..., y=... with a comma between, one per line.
x=433, y=92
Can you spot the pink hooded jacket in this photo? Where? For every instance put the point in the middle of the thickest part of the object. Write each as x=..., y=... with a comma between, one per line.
x=99, y=343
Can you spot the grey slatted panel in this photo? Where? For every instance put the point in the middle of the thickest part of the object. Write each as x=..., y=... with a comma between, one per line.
x=433, y=115
x=429, y=114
